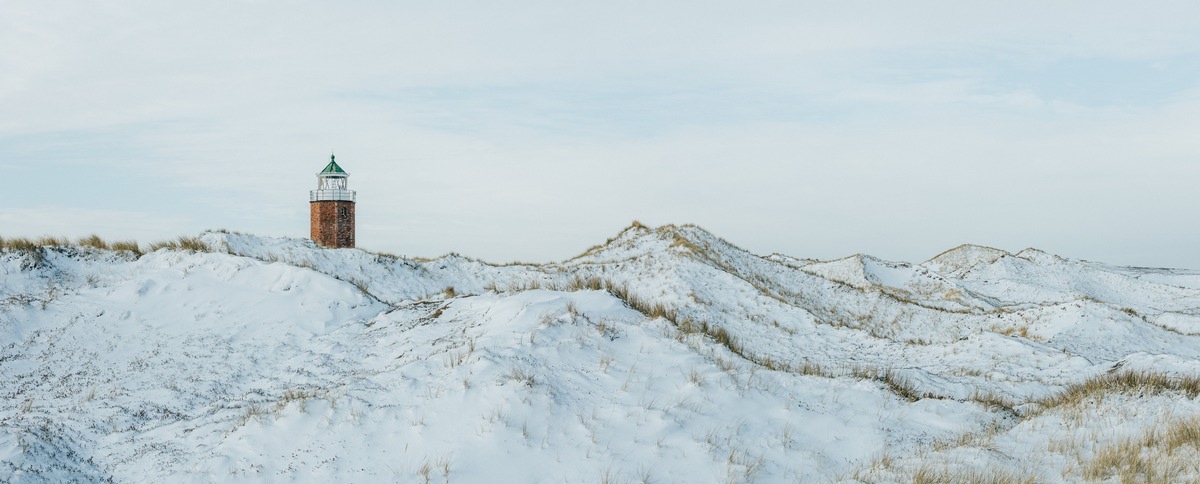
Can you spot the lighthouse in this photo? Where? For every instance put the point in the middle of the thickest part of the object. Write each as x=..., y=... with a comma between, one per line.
x=331, y=208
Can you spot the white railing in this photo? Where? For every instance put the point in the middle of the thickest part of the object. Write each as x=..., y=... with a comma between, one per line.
x=335, y=195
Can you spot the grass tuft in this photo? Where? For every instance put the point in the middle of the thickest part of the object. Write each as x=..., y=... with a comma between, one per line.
x=1162, y=454
x=928, y=474
x=52, y=241
x=193, y=244
x=183, y=243
x=19, y=244
x=93, y=241
x=35, y=246
x=522, y=375
x=126, y=246
x=1132, y=382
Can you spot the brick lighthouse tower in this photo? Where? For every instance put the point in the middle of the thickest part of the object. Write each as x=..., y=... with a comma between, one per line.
x=331, y=208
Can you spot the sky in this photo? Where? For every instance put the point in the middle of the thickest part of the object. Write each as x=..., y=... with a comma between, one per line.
x=533, y=130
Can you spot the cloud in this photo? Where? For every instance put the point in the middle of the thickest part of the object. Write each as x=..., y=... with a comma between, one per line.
x=533, y=132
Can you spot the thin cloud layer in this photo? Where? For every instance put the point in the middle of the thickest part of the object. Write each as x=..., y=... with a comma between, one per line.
x=534, y=132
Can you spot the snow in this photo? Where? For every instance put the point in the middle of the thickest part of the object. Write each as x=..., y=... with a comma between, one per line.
x=664, y=355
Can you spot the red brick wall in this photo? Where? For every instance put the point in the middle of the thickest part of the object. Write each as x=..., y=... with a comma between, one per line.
x=332, y=223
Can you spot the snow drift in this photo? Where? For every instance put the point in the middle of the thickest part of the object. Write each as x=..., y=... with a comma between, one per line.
x=662, y=355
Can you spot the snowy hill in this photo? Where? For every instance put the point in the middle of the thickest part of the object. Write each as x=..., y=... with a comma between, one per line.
x=662, y=355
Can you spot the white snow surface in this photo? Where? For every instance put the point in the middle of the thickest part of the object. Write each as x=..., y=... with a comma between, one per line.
x=663, y=355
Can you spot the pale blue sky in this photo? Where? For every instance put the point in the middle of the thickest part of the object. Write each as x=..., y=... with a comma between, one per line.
x=533, y=130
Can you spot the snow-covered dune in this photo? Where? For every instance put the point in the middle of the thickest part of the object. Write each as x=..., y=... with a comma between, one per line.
x=663, y=355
